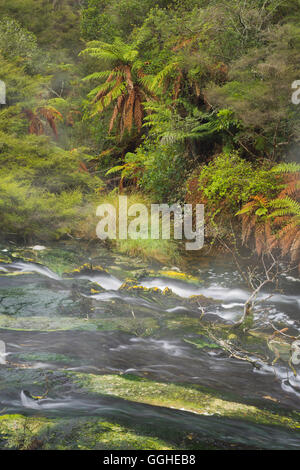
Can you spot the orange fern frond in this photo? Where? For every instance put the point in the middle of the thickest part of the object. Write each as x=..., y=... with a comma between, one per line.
x=113, y=118
x=128, y=76
x=138, y=113
x=129, y=110
x=177, y=86
x=51, y=115
x=259, y=239
x=292, y=187
x=248, y=223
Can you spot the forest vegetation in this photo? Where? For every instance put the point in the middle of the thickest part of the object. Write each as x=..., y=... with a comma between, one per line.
x=130, y=344
x=185, y=101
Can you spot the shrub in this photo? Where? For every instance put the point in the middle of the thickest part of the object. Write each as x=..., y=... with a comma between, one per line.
x=228, y=181
x=42, y=190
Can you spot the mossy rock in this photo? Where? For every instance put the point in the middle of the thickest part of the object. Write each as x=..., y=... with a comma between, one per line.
x=5, y=259
x=195, y=398
x=168, y=291
x=202, y=300
x=128, y=283
x=180, y=276
x=37, y=433
x=131, y=286
x=145, y=326
x=59, y=260
x=86, y=268
x=202, y=343
x=183, y=324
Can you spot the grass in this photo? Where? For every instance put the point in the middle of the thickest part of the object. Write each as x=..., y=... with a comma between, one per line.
x=147, y=249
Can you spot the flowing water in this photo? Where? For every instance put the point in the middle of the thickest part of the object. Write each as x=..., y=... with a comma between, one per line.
x=85, y=355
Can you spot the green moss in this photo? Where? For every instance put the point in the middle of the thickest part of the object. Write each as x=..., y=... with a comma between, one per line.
x=176, y=275
x=57, y=259
x=19, y=432
x=86, y=268
x=188, y=397
x=182, y=323
x=33, y=433
x=44, y=357
x=45, y=323
x=5, y=259
x=98, y=435
x=202, y=343
x=141, y=327
x=201, y=300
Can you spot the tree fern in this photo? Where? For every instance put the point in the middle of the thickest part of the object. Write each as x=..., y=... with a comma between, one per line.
x=124, y=85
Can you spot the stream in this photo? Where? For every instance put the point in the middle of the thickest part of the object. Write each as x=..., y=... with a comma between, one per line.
x=104, y=351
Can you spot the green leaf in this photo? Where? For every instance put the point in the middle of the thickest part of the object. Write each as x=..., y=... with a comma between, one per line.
x=115, y=169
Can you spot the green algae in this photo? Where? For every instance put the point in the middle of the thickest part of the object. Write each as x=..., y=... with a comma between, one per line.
x=182, y=324
x=201, y=300
x=86, y=268
x=20, y=433
x=33, y=433
x=58, y=260
x=177, y=275
x=44, y=357
x=38, y=323
x=201, y=343
x=142, y=327
x=192, y=398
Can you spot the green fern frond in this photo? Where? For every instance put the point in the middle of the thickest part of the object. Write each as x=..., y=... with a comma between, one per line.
x=101, y=75
x=159, y=79
x=115, y=169
x=291, y=167
x=104, y=87
x=114, y=94
x=284, y=207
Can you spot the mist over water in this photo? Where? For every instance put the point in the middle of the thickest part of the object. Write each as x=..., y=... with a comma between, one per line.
x=84, y=321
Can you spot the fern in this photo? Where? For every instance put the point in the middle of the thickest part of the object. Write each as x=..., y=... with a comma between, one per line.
x=291, y=167
x=124, y=85
x=166, y=123
x=281, y=213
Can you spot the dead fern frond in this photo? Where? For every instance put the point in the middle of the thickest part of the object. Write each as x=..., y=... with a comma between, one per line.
x=51, y=115
x=138, y=113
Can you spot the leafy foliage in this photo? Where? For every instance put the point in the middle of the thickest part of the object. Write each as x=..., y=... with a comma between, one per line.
x=186, y=101
x=276, y=222
x=228, y=181
x=41, y=188
x=15, y=41
x=123, y=85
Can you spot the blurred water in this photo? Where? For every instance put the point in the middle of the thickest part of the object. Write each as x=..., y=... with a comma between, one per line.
x=55, y=322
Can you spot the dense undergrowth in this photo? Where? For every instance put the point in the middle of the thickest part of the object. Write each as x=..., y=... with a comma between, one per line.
x=167, y=101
